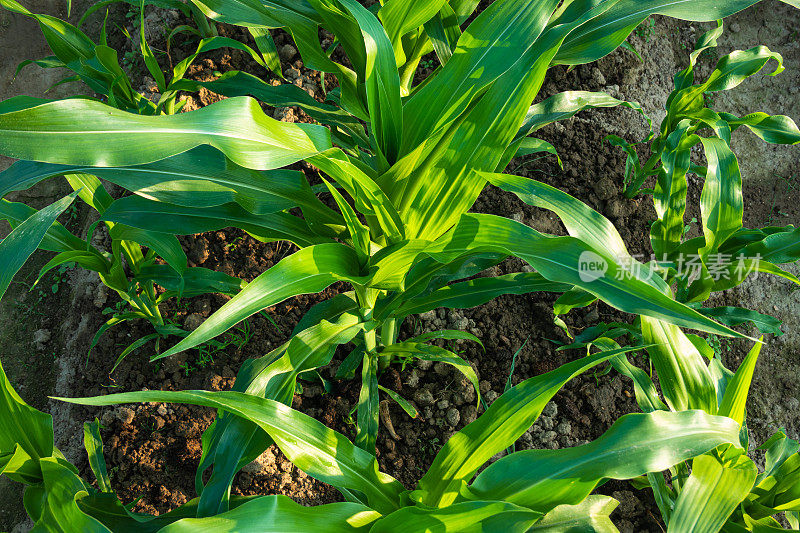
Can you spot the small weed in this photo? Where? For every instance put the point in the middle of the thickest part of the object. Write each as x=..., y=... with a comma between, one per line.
x=235, y=243
x=688, y=227
x=128, y=60
x=791, y=186
x=428, y=63
x=236, y=337
x=720, y=345
x=646, y=29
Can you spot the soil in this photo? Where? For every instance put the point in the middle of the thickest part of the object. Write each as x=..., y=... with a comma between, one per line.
x=153, y=450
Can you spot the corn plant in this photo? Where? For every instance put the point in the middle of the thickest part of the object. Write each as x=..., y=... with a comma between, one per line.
x=722, y=490
x=547, y=490
x=727, y=253
x=96, y=65
x=411, y=158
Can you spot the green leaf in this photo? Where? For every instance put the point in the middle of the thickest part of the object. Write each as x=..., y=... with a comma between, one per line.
x=132, y=347
x=779, y=448
x=367, y=419
x=150, y=60
x=436, y=183
x=201, y=177
x=721, y=203
x=321, y=452
x=601, y=35
x=359, y=234
x=166, y=245
x=382, y=82
x=347, y=368
x=25, y=238
x=488, y=48
x=488, y=516
x=735, y=398
x=269, y=52
x=61, y=511
x=443, y=32
x=734, y=316
x=83, y=132
x=669, y=193
x=26, y=435
x=152, y=216
x=708, y=40
x=449, y=334
x=94, y=449
x=109, y=510
x=628, y=287
x=369, y=198
x=237, y=83
x=635, y=444
x=580, y=220
x=776, y=129
x=88, y=260
x=684, y=377
x=564, y=105
x=279, y=514
x=529, y=146
x=407, y=406
x=590, y=515
x=67, y=42
x=777, y=247
x=215, y=43
x=712, y=492
x=192, y=282
x=499, y=427
x=307, y=271
x=472, y=293
x=90, y=190
x=401, y=16
x=57, y=238
x=297, y=16
x=572, y=299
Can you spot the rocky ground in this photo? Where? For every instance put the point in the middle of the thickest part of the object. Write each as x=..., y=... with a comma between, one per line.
x=153, y=450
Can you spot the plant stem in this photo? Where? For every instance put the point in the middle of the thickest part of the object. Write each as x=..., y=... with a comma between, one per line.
x=388, y=336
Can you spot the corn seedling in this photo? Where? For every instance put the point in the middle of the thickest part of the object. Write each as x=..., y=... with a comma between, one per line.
x=726, y=253
x=96, y=65
x=722, y=490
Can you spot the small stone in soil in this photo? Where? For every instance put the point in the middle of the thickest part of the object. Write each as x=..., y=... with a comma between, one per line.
x=550, y=410
x=193, y=321
x=423, y=397
x=469, y=414
x=549, y=436
x=413, y=379
x=287, y=52
x=453, y=416
x=125, y=415
x=41, y=337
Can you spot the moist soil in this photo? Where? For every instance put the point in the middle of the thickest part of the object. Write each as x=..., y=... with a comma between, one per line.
x=153, y=450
